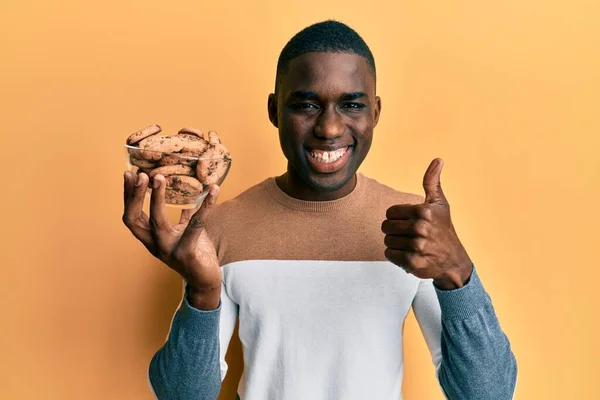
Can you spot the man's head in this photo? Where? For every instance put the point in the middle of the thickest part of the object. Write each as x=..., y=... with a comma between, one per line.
x=323, y=37
x=325, y=100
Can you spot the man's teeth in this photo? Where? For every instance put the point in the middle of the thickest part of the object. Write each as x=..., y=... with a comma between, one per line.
x=328, y=156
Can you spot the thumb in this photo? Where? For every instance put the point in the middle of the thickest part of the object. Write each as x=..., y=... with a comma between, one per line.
x=432, y=185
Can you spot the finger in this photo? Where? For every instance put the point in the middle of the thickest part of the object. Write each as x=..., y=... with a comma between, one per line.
x=208, y=203
x=398, y=242
x=400, y=258
x=415, y=245
x=135, y=200
x=187, y=214
x=158, y=212
x=127, y=187
x=133, y=216
x=432, y=184
x=419, y=227
x=403, y=211
x=142, y=233
x=398, y=227
x=196, y=225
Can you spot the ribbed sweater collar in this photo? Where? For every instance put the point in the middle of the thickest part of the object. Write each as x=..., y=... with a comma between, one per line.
x=316, y=206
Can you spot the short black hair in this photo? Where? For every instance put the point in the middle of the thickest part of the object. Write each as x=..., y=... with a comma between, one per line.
x=328, y=36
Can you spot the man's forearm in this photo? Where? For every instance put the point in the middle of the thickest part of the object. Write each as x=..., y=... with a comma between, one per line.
x=187, y=366
x=477, y=361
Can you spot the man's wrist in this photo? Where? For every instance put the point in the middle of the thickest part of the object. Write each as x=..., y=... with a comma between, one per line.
x=205, y=299
x=455, y=279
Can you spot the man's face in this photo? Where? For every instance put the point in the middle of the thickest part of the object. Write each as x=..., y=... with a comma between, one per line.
x=325, y=111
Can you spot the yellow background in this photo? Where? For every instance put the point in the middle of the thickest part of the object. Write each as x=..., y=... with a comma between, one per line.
x=506, y=92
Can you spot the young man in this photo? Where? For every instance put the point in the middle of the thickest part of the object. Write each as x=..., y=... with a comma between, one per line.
x=321, y=264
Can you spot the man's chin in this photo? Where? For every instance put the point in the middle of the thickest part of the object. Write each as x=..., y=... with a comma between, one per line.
x=328, y=183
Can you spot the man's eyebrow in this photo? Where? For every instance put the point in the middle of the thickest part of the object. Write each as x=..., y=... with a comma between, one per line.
x=308, y=95
x=353, y=96
x=303, y=95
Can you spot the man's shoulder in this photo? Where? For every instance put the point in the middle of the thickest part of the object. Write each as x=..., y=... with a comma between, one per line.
x=247, y=202
x=247, y=198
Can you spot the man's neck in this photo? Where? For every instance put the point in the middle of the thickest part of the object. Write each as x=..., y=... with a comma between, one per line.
x=294, y=186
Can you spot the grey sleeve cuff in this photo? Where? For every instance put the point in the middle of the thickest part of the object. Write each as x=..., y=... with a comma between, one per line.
x=463, y=302
x=204, y=324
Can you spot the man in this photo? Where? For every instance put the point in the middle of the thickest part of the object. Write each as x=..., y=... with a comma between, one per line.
x=321, y=264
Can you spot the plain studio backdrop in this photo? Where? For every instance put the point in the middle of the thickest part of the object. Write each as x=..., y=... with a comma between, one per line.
x=506, y=92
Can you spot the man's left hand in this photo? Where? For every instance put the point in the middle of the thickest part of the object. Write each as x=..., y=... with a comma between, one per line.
x=421, y=239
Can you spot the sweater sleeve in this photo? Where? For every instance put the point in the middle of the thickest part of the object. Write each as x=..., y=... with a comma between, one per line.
x=472, y=355
x=191, y=364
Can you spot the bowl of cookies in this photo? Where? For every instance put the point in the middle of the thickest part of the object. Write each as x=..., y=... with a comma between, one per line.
x=189, y=160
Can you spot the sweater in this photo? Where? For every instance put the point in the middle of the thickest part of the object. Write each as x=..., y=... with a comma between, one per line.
x=321, y=311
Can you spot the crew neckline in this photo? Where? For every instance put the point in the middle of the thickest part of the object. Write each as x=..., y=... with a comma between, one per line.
x=315, y=206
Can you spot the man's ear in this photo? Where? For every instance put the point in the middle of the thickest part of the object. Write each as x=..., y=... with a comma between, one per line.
x=272, y=109
x=377, y=110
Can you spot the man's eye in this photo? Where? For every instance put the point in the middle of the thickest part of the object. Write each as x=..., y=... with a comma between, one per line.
x=303, y=106
x=356, y=106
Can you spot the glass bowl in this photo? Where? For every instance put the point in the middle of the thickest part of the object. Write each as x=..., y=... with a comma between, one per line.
x=188, y=177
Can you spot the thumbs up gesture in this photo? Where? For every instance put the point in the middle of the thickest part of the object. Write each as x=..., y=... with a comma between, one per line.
x=421, y=239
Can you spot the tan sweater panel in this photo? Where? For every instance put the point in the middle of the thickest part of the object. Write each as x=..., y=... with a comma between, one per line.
x=264, y=223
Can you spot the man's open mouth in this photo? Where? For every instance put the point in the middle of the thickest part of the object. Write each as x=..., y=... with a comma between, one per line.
x=324, y=161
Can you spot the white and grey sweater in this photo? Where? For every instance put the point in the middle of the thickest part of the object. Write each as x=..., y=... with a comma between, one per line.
x=321, y=311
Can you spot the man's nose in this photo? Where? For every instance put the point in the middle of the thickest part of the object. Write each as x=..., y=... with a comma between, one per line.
x=329, y=124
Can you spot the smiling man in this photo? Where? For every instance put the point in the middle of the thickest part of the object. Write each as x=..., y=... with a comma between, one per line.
x=325, y=108
x=322, y=264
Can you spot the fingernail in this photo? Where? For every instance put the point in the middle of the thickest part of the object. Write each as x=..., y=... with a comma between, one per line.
x=139, y=181
x=155, y=183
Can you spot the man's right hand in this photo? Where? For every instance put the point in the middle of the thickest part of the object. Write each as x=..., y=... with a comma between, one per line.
x=185, y=247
